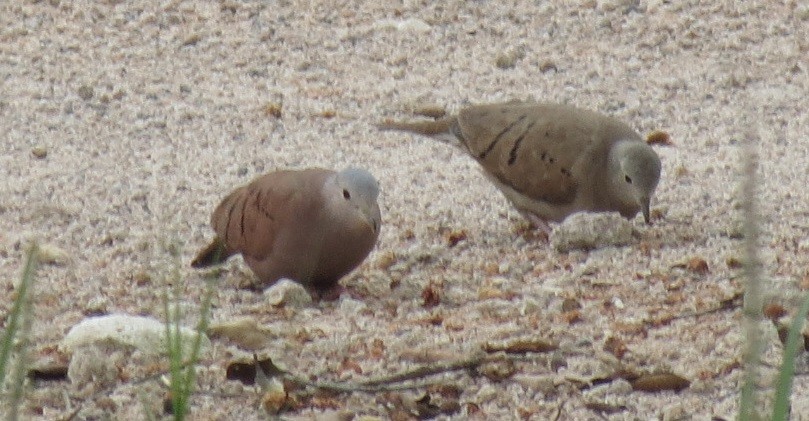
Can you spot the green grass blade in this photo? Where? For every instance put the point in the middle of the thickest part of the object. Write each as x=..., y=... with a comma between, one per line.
x=183, y=372
x=19, y=324
x=17, y=310
x=752, y=316
x=783, y=390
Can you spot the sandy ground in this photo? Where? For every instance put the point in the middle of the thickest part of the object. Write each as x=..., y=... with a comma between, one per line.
x=150, y=113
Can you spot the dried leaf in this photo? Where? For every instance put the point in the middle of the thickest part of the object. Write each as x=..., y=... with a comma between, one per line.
x=454, y=237
x=520, y=346
x=615, y=346
x=660, y=382
x=431, y=294
x=697, y=265
x=774, y=311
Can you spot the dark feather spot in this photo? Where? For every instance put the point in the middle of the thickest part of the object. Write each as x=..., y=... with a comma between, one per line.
x=260, y=206
x=244, y=206
x=346, y=194
x=499, y=135
x=512, y=155
x=230, y=218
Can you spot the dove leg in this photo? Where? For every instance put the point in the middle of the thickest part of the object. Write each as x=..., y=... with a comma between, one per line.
x=538, y=223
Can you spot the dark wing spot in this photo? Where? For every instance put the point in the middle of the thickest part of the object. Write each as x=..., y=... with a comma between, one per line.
x=244, y=207
x=565, y=171
x=261, y=208
x=346, y=194
x=551, y=160
x=512, y=155
x=230, y=218
x=499, y=135
x=543, y=156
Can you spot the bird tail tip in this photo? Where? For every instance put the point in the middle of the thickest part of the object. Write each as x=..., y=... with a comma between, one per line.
x=213, y=254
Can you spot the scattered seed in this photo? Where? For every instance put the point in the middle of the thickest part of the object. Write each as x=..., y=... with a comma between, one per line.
x=659, y=137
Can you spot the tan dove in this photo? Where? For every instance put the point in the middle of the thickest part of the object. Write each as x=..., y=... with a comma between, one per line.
x=552, y=160
x=312, y=226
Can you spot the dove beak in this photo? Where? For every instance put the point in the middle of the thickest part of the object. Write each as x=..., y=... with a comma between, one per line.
x=373, y=224
x=371, y=218
x=645, y=208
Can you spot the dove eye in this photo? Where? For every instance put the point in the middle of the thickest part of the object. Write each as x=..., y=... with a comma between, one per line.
x=628, y=179
x=346, y=194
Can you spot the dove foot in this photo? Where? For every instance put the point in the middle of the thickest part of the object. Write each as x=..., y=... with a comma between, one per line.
x=538, y=224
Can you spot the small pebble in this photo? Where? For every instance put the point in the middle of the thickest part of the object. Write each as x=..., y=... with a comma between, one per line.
x=547, y=66
x=288, y=293
x=39, y=152
x=52, y=255
x=85, y=92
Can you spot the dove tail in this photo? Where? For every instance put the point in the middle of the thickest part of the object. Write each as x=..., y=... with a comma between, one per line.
x=214, y=254
x=426, y=128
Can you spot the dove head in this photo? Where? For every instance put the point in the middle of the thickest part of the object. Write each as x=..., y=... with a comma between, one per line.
x=359, y=190
x=635, y=172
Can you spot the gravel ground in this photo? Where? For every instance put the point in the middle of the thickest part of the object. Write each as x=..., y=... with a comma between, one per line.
x=124, y=123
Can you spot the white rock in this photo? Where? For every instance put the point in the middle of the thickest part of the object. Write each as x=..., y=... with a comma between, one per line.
x=143, y=333
x=587, y=231
x=411, y=25
x=50, y=254
x=288, y=293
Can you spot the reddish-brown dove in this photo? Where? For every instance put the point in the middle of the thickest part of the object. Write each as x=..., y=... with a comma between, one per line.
x=312, y=226
x=552, y=160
